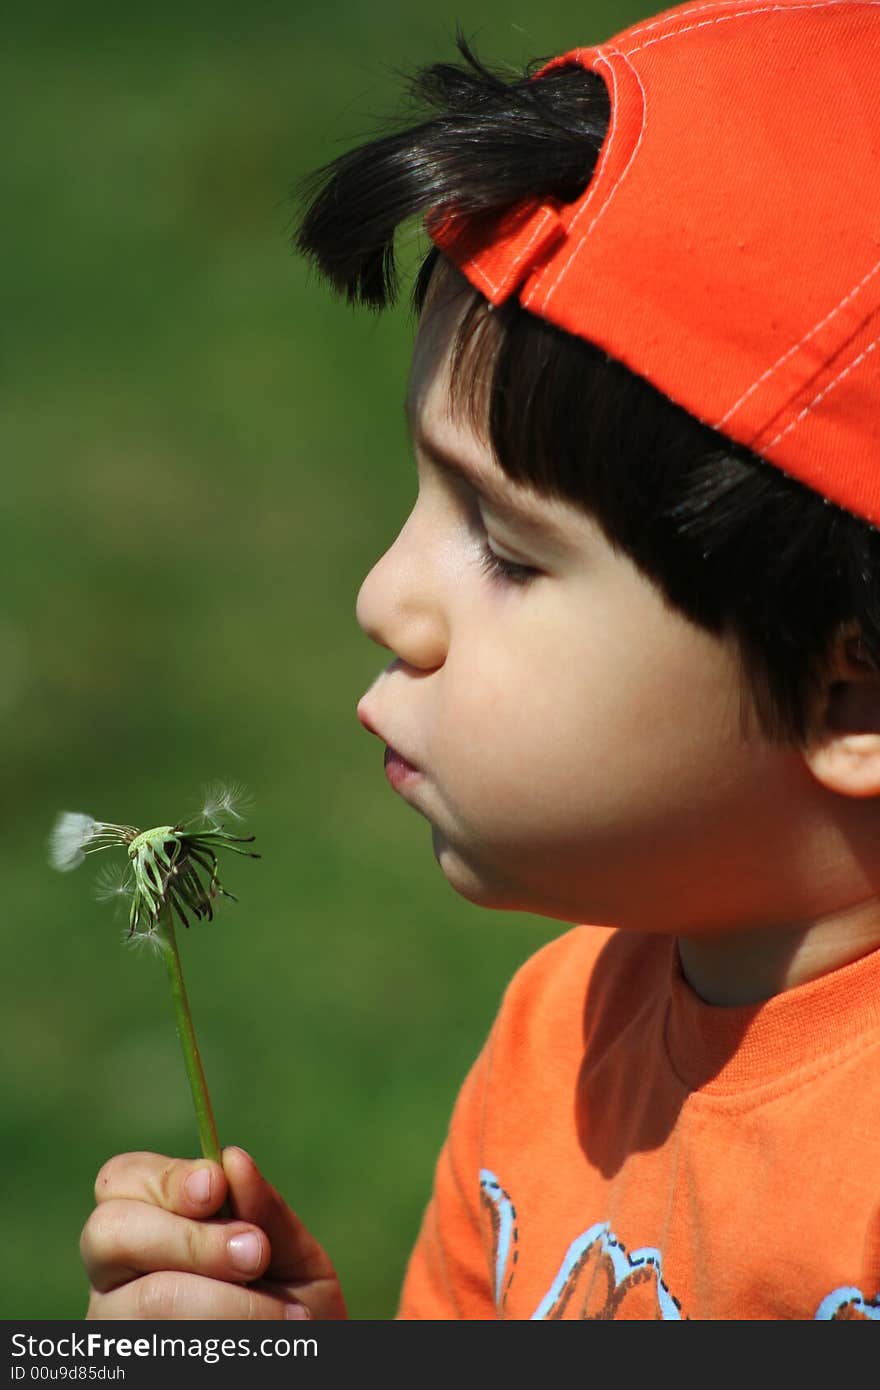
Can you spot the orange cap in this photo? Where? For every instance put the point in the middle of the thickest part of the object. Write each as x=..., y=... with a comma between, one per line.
x=727, y=247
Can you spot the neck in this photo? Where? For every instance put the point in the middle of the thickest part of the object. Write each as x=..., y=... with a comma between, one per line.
x=749, y=966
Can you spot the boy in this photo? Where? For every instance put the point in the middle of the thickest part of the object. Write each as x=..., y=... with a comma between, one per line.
x=635, y=626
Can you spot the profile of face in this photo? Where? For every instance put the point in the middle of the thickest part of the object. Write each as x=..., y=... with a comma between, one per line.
x=579, y=745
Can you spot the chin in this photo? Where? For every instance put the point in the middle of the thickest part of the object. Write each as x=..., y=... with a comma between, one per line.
x=472, y=881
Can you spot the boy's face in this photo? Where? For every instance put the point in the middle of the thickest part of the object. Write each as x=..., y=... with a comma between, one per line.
x=578, y=742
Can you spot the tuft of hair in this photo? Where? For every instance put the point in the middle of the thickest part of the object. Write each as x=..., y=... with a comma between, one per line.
x=483, y=143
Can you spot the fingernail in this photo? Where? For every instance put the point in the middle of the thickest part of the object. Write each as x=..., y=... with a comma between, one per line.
x=296, y=1310
x=198, y=1185
x=245, y=1251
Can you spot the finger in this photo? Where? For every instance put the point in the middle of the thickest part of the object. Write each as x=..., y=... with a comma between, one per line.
x=190, y=1187
x=296, y=1255
x=168, y=1296
x=123, y=1239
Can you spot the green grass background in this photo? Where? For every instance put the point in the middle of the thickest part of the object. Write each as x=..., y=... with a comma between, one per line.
x=203, y=453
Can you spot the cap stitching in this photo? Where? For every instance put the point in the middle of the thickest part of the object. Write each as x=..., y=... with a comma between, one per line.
x=748, y=14
x=673, y=18
x=495, y=288
x=820, y=397
x=662, y=20
x=617, y=183
x=790, y=351
x=590, y=191
x=720, y=4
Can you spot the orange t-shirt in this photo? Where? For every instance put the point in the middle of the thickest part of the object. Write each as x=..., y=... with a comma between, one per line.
x=621, y=1149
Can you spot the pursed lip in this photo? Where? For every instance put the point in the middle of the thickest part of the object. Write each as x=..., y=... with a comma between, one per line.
x=372, y=728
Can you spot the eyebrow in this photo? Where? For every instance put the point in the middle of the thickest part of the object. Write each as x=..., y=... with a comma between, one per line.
x=495, y=494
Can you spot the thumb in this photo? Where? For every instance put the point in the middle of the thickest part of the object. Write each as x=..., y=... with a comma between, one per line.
x=297, y=1257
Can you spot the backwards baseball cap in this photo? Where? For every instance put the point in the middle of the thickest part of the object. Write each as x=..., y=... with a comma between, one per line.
x=727, y=246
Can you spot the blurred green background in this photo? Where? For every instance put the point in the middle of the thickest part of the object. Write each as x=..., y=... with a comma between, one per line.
x=203, y=453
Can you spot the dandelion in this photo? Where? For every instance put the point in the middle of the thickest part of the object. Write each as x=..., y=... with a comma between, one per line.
x=170, y=869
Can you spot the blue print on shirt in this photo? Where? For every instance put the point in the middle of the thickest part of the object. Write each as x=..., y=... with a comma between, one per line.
x=596, y=1247
x=847, y=1304
x=597, y=1274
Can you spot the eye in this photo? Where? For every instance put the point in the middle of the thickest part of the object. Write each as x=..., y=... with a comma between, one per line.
x=502, y=571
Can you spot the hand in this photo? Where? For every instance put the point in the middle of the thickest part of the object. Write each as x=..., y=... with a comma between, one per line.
x=151, y=1253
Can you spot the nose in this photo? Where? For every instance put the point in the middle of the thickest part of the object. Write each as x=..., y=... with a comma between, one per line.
x=400, y=604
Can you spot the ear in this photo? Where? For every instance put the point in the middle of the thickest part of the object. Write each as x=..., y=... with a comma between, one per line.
x=843, y=752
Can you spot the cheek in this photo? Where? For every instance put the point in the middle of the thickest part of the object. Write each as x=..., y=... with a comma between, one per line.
x=512, y=748
x=594, y=741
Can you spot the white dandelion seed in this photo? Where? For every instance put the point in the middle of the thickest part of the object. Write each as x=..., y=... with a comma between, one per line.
x=76, y=834
x=225, y=799
x=113, y=883
x=73, y=830
x=148, y=941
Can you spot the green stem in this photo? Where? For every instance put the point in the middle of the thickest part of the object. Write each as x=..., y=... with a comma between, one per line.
x=186, y=1033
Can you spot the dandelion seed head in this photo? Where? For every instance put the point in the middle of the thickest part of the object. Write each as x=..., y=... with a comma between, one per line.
x=168, y=869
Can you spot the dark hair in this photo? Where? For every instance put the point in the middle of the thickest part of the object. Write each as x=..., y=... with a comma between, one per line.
x=730, y=541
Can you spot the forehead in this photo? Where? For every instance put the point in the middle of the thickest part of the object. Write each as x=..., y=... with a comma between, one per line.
x=452, y=428
x=429, y=395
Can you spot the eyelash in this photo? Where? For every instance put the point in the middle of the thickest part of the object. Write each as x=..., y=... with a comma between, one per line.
x=502, y=571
